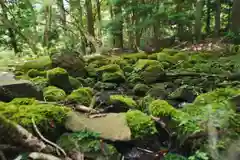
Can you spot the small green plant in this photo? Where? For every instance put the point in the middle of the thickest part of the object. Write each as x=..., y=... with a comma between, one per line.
x=199, y=156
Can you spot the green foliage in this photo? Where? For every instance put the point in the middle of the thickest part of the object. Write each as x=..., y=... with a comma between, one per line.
x=159, y=108
x=88, y=143
x=199, y=156
x=218, y=95
x=171, y=156
x=123, y=99
x=52, y=93
x=144, y=103
x=141, y=125
x=82, y=96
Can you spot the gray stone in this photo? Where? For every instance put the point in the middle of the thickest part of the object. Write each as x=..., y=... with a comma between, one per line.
x=113, y=126
x=11, y=88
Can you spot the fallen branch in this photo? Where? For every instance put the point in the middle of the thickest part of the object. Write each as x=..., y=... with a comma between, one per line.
x=16, y=134
x=47, y=141
x=8, y=147
x=42, y=156
x=85, y=109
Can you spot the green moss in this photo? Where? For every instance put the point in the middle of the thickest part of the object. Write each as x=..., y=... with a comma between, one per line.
x=140, y=89
x=218, y=95
x=32, y=73
x=164, y=57
x=59, y=77
x=105, y=86
x=53, y=93
x=82, y=96
x=123, y=99
x=133, y=79
x=87, y=143
x=180, y=56
x=44, y=115
x=160, y=108
x=140, y=124
x=39, y=83
x=170, y=51
x=74, y=82
x=91, y=70
x=134, y=56
x=153, y=73
x=23, y=101
x=143, y=63
x=41, y=63
x=153, y=56
x=115, y=77
x=109, y=68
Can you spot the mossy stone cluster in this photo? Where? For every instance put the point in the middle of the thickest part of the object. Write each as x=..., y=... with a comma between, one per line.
x=52, y=93
x=140, y=124
x=159, y=108
x=140, y=89
x=48, y=118
x=59, y=77
x=81, y=96
x=125, y=100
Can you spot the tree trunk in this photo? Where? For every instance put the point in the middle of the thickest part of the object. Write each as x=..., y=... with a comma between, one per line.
x=118, y=25
x=90, y=21
x=99, y=17
x=217, y=18
x=198, y=16
x=235, y=16
x=208, y=18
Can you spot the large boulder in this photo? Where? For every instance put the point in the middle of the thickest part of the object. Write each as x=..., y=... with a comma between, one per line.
x=71, y=61
x=113, y=126
x=11, y=88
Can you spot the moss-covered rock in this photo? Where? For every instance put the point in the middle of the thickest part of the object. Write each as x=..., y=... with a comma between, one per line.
x=59, y=77
x=109, y=68
x=158, y=90
x=141, y=125
x=153, y=73
x=164, y=57
x=128, y=101
x=23, y=101
x=141, y=64
x=140, y=89
x=52, y=93
x=39, y=83
x=41, y=63
x=48, y=118
x=144, y=102
x=134, y=78
x=74, y=82
x=72, y=62
x=184, y=93
x=159, y=108
x=82, y=96
x=105, y=86
x=132, y=58
x=115, y=77
x=89, y=144
x=32, y=73
x=218, y=95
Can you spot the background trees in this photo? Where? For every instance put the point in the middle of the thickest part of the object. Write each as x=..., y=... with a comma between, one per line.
x=87, y=25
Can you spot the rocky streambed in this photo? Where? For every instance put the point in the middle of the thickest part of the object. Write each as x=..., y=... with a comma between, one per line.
x=136, y=106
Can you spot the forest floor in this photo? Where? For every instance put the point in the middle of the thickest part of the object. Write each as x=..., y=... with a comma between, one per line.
x=175, y=104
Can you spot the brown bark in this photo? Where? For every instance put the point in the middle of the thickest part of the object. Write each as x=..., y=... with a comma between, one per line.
x=235, y=16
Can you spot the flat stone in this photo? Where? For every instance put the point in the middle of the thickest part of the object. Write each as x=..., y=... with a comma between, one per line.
x=113, y=126
x=11, y=88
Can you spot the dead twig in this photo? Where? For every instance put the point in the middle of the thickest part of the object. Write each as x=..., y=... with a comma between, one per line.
x=47, y=141
x=43, y=156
